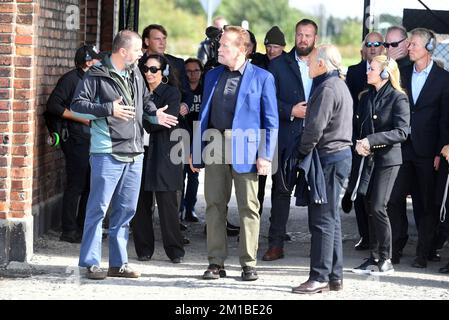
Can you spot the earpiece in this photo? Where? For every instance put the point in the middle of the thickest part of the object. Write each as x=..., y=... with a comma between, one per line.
x=430, y=45
x=166, y=71
x=385, y=75
x=87, y=56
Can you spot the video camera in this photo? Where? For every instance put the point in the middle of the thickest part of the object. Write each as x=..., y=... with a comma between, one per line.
x=213, y=35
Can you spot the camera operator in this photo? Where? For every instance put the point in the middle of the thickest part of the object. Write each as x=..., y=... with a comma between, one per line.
x=205, y=51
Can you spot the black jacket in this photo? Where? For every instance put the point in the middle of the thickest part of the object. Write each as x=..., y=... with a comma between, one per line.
x=60, y=99
x=161, y=173
x=356, y=79
x=383, y=118
x=94, y=99
x=429, y=118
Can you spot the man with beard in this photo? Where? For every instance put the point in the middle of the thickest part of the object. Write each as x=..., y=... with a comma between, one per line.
x=115, y=99
x=293, y=86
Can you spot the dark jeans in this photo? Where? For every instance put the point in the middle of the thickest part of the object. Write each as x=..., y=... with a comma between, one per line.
x=76, y=193
x=188, y=199
x=376, y=200
x=361, y=217
x=417, y=173
x=326, y=252
x=280, y=210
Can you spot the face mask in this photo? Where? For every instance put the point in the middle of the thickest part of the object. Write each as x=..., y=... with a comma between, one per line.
x=98, y=64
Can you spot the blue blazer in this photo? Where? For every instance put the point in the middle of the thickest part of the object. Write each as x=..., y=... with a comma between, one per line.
x=256, y=108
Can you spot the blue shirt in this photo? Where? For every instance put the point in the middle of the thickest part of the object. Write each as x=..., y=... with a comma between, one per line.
x=419, y=79
x=306, y=81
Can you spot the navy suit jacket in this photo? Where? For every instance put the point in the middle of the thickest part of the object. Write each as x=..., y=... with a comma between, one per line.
x=289, y=91
x=256, y=108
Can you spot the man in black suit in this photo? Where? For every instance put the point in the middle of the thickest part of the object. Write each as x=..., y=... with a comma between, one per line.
x=356, y=81
x=293, y=86
x=427, y=88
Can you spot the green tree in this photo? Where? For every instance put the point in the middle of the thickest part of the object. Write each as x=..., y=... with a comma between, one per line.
x=192, y=6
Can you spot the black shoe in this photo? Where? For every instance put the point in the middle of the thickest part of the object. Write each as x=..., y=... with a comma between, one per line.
x=419, y=263
x=434, y=256
x=385, y=267
x=185, y=241
x=249, y=274
x=395, y=258
x=232, y=232
x=231, y=226
x=182, y=226
x=177, y=260
x=362, y=245
x=287, y=237
x=71, y=236
x=214, y=271
x=144, y=258
x=367, y=267
x=191, y=216
x=444, y=269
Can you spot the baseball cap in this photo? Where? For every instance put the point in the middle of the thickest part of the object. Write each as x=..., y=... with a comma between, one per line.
x=86, y=53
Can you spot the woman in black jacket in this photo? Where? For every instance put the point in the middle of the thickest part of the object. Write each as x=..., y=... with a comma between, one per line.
x=162, y=174
x=382, y=124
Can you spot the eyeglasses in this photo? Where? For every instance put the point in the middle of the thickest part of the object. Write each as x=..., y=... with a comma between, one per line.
x=393, y=44
x=152, y=69
x=373, y=44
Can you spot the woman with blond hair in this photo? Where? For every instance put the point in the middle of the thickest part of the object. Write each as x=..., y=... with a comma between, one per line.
x=382, y=124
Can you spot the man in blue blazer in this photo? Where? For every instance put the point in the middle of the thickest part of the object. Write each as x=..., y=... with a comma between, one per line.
x=239, y=119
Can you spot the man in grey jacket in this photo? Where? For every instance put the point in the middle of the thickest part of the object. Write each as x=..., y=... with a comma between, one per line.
x=328, y=129
x=116, y=100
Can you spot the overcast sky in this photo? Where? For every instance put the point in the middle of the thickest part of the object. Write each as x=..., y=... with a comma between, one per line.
x=354, y=8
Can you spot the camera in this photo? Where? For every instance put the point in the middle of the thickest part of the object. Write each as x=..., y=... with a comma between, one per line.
x=213, y=35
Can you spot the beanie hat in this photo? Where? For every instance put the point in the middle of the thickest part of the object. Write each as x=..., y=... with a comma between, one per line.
x=275, y=36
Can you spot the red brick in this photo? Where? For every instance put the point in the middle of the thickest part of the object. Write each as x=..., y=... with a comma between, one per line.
x=21, y=184
x=24, y=51
x=5, y=116
x=22, y=84
x=5, y=105
x=3, y=215
x=5, y=71
x=7, y=8
x=20, y=105
x=22, y=151
x=5, y=94
x=21, y=172
x=25, y=8
x=20, y=195
x=5, y=28
x=22, y=127
x=22, y=73
x=6, y=18
x=5, y=49
x=4, y=151
x=23, y=62
x=22, y=116
x=5, y=61
x=5, y=83
x=3, y=172
x=5, y=38
x=4, y=127
x=3, y=195
x=21, y=161
x=24, y=19
x=23, y=30
x=22, y=95
x=19, y=206
x=24, y=40
x=4, y=206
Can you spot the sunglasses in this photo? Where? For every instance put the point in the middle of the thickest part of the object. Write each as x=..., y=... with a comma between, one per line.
x=393, y=44
x=152, y=69
x=373, y=44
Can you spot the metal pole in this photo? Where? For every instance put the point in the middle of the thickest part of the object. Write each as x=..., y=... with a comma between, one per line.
x=136, y=15
x=366, y=17
x=209, y=13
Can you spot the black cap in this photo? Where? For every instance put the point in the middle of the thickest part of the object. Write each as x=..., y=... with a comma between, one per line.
x=86, y=53
x=275, y=36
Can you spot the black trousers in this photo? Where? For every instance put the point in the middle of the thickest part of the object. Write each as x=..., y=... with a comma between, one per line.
x=362, y=217
x=376, y=200
x=261, y=192
x=76, y=193
x=419, y=173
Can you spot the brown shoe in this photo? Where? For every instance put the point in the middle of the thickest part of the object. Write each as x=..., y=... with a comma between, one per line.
x=213, y=272
x=311, y=286
x=336, y=285
x=273, y=253
x=124, y=271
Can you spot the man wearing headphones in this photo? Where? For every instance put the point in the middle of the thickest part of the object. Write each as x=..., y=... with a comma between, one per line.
x=74, y=144
x=427, y=88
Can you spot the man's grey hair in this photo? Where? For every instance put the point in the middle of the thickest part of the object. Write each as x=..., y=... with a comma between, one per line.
x=372, y=33
x=124, y=39
x=330, y=55
x=401, y=29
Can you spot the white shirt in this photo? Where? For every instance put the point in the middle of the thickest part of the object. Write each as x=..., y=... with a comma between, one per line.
x=419, y=80
x=306, y=81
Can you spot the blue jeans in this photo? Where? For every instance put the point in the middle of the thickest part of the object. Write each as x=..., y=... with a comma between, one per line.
x=326, y=252
x=116, y=184
x=188, y=199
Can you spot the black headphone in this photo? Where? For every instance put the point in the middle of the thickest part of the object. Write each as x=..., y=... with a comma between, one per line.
x=385, y=74
x=430, y=45
x=87, y=56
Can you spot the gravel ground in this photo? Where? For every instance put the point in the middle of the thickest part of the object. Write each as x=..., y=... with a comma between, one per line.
x=53, y=272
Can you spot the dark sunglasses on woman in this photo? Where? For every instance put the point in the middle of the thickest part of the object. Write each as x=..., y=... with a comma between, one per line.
x=152, y=69
x=373, y=44
x=393, y=44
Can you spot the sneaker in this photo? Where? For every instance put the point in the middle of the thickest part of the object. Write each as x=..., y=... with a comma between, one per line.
x=214, y=271
x=124, y=271
x=385, y=267
x=95, y=273
x=367, y=267
x=191, y=216
x=249, y=274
